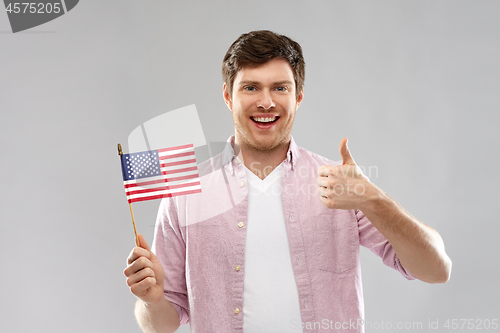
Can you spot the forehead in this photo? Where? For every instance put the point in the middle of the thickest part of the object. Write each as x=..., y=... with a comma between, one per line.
x=275, y=70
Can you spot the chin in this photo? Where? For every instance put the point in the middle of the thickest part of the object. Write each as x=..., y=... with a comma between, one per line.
x=265, y=147
x=267, y=144
x=261, y=145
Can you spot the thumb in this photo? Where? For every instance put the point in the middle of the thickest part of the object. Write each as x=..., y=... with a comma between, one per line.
x=345, y=153
x=143, y=243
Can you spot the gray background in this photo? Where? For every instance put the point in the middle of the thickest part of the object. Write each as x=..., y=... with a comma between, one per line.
x=413, y=84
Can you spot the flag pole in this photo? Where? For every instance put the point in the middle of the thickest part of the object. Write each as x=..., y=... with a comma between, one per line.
x=135, y=229
x=130, y=204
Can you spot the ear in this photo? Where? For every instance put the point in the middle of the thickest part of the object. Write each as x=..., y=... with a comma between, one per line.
x=227, y=97
x=299, y=98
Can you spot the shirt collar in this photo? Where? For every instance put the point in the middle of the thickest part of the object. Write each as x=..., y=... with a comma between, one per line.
x=292, y=154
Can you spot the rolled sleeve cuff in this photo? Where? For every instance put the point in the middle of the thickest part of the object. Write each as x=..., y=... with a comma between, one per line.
x=181, y=311
x=183, y=314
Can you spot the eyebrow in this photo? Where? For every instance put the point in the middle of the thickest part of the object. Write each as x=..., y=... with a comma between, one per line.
x=242, y=83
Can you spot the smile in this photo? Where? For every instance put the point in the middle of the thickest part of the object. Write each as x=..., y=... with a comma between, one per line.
x=264, y=119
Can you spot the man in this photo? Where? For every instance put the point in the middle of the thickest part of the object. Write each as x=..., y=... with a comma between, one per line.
x=257, y=251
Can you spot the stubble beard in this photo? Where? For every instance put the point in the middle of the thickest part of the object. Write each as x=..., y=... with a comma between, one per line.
x=247, y=139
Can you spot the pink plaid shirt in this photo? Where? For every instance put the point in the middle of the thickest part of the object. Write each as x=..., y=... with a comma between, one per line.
x=200, y=241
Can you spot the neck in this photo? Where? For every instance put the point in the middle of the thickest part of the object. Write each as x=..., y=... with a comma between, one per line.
x=262, y=161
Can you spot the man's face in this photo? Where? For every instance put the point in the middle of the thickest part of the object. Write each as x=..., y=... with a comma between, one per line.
x=263, y=104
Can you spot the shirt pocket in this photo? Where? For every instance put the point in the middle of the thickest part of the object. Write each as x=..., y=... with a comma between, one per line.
x=336, y=243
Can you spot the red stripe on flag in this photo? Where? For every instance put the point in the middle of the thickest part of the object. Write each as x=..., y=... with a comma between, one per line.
x=160, y=196
x=161, y=181
x=139, y=184
x=177, y=155
x=163, y=188
x=180, y=170
x=151, y=190
x=184, y=193
x=178, y=163
x=173, y=179
x=171, y=187
x=176, y=148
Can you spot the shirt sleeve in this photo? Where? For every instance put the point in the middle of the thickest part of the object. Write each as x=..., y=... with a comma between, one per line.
x=371, y=238
x=170, y=249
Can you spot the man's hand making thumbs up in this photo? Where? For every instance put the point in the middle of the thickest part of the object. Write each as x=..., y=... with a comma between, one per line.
x=419, y=248
x=343, y=186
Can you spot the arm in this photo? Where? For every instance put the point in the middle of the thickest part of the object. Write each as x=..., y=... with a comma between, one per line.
x=160, y=317
x=419, y=247
x=145, y=277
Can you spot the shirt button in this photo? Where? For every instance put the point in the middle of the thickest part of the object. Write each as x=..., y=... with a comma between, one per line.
x=236, y=161
x=240, y=225
x=236, y=310
x=291, y=217
x=242, y=183
x=237, y=268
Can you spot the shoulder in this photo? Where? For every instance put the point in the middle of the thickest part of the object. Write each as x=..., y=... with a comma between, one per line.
x=313, y=158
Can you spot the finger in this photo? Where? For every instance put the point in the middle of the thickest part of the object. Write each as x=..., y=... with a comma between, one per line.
x=140, y=288
x=345, y=153
x=137, y=265
x=327, y=202
x=139, y=251
x=143, y=243
x=323, y=192
x=324, y=182
x=136, y=253
x=140, y=275
x=327, y=170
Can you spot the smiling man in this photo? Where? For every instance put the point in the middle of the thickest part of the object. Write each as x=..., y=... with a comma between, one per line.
x=263, y=101
x=258, y=250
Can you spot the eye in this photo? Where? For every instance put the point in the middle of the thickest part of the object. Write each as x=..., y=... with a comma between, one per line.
x=281, y=88
x=249, y=88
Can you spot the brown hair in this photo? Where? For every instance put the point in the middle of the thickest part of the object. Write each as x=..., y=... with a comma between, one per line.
x=258, y=47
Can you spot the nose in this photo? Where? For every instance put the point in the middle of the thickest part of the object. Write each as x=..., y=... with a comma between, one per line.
x=265, y=101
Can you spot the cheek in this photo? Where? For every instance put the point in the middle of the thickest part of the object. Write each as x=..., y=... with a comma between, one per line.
x=240, y=106
x=238, y=115
x=291, y=106
x=291, y=117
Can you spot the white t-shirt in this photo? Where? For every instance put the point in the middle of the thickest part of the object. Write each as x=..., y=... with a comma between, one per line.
x=270, y=296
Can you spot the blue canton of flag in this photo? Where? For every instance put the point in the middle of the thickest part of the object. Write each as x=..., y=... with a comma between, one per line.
x=142, y=165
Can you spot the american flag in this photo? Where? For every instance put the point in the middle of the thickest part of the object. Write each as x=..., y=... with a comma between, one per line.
x=155, y=174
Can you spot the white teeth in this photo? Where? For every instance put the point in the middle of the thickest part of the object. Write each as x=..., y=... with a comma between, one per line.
x=264, y=120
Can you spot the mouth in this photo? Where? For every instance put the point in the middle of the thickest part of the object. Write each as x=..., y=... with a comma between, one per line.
x=265, y=120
